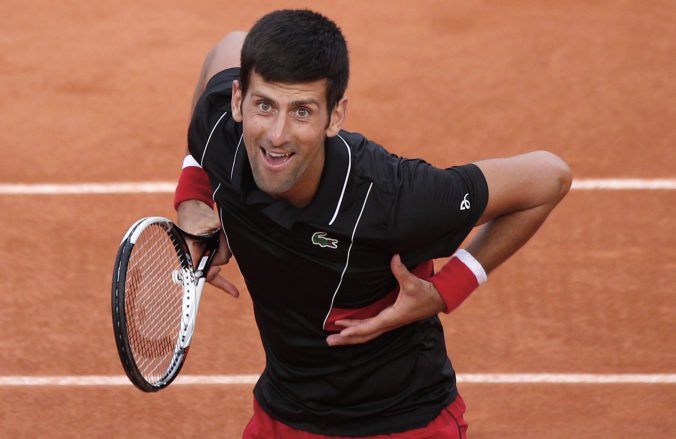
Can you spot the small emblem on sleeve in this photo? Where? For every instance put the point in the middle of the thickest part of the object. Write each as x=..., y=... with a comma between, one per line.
x=320, y=239
x=464, y=204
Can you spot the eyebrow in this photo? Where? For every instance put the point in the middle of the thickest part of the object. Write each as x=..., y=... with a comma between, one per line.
x=305, y=102
x=295, y=103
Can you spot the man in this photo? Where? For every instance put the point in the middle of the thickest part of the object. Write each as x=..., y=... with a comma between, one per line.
x=335, y=236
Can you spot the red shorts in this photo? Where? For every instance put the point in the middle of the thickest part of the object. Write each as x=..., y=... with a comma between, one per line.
x=450, y=424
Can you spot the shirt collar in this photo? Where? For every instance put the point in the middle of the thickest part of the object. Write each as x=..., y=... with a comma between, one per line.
x=325, y=205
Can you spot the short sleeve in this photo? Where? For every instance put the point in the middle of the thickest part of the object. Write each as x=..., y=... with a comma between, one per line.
x=435, y=209
x=212, y=132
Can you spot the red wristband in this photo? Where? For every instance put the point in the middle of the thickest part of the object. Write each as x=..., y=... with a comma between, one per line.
x=455, y=282
x=193, y=184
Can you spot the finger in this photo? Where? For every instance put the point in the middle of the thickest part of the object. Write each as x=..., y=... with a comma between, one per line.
x=346, y=323
x=378, y=324
x=222, y=255
x=221, y=283
x=341, y=339
x=399, y=270
x=360, y=331
x=213, y=272
x=196, y=249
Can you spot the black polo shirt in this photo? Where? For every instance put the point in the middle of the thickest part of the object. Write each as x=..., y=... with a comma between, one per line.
x=306, y=267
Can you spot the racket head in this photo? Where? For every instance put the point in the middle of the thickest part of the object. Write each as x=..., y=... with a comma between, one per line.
x=147, y=300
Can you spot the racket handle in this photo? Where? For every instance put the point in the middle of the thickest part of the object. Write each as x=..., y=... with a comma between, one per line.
x=191, y=302
x=193, y=284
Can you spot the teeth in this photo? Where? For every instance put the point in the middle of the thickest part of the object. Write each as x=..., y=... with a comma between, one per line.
x=276, y=155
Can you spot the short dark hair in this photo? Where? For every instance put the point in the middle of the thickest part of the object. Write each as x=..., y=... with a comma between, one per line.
x=291, y=46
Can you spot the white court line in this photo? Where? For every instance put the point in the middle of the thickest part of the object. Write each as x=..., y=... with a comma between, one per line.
x=475, y=378
x=566, y=378
x=169, y=186
x=118, y=380
x=624, y=184
x=87, y=188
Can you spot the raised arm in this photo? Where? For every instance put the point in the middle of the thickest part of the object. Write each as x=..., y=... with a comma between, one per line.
x=224, y=55
x=523, y=190
x=195, y=213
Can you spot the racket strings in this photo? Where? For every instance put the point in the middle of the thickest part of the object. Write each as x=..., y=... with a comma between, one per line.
x=154, y=320
x=147, y=303
x=153, y=302
x=152, y=341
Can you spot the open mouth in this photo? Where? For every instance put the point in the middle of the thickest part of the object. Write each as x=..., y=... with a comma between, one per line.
x=276, y=158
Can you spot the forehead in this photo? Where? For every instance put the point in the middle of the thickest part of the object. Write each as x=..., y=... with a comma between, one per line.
x=313, y=91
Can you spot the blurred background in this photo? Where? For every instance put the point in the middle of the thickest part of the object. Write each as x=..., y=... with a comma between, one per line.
x=100, y=92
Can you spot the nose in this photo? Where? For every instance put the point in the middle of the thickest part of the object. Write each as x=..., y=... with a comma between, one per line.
x=278, y=131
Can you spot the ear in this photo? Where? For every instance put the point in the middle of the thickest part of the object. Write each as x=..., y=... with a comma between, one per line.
x=236, y=102
x=338, y=115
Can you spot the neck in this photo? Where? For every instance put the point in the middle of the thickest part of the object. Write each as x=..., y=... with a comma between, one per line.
x=306, y=188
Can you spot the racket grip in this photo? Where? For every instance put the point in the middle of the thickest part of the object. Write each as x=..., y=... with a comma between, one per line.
x=191, y=301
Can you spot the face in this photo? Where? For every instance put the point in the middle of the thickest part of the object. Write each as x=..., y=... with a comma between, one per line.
x=284, y=128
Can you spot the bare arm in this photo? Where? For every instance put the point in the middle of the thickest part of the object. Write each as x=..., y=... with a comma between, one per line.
x=224, y=55
x=193, y=215
x=523, y=190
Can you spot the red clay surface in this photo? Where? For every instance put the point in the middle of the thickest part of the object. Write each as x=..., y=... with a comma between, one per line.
x=99, y=91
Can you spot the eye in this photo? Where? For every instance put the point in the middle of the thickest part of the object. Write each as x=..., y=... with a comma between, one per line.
x=303, y=113
x=264, y=106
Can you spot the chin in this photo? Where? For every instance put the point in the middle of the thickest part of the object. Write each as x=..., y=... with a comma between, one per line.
x=270, y=188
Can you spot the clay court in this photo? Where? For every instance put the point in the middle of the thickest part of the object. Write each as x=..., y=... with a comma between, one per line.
x=574, y=337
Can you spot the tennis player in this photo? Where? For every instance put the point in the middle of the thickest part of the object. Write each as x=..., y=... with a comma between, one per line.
x=335, y=236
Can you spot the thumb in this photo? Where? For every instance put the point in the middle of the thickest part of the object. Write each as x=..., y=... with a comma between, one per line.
x=399, y=270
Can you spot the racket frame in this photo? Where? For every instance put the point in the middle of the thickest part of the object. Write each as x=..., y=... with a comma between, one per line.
x=193, y=283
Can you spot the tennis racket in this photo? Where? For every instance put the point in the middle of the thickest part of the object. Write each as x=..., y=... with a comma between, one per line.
x=155, y=296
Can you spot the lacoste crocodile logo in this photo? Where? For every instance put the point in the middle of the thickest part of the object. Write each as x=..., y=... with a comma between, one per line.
x=320, y=239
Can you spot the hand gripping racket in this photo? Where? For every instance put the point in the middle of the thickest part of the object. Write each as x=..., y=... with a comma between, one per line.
x=155, y=296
